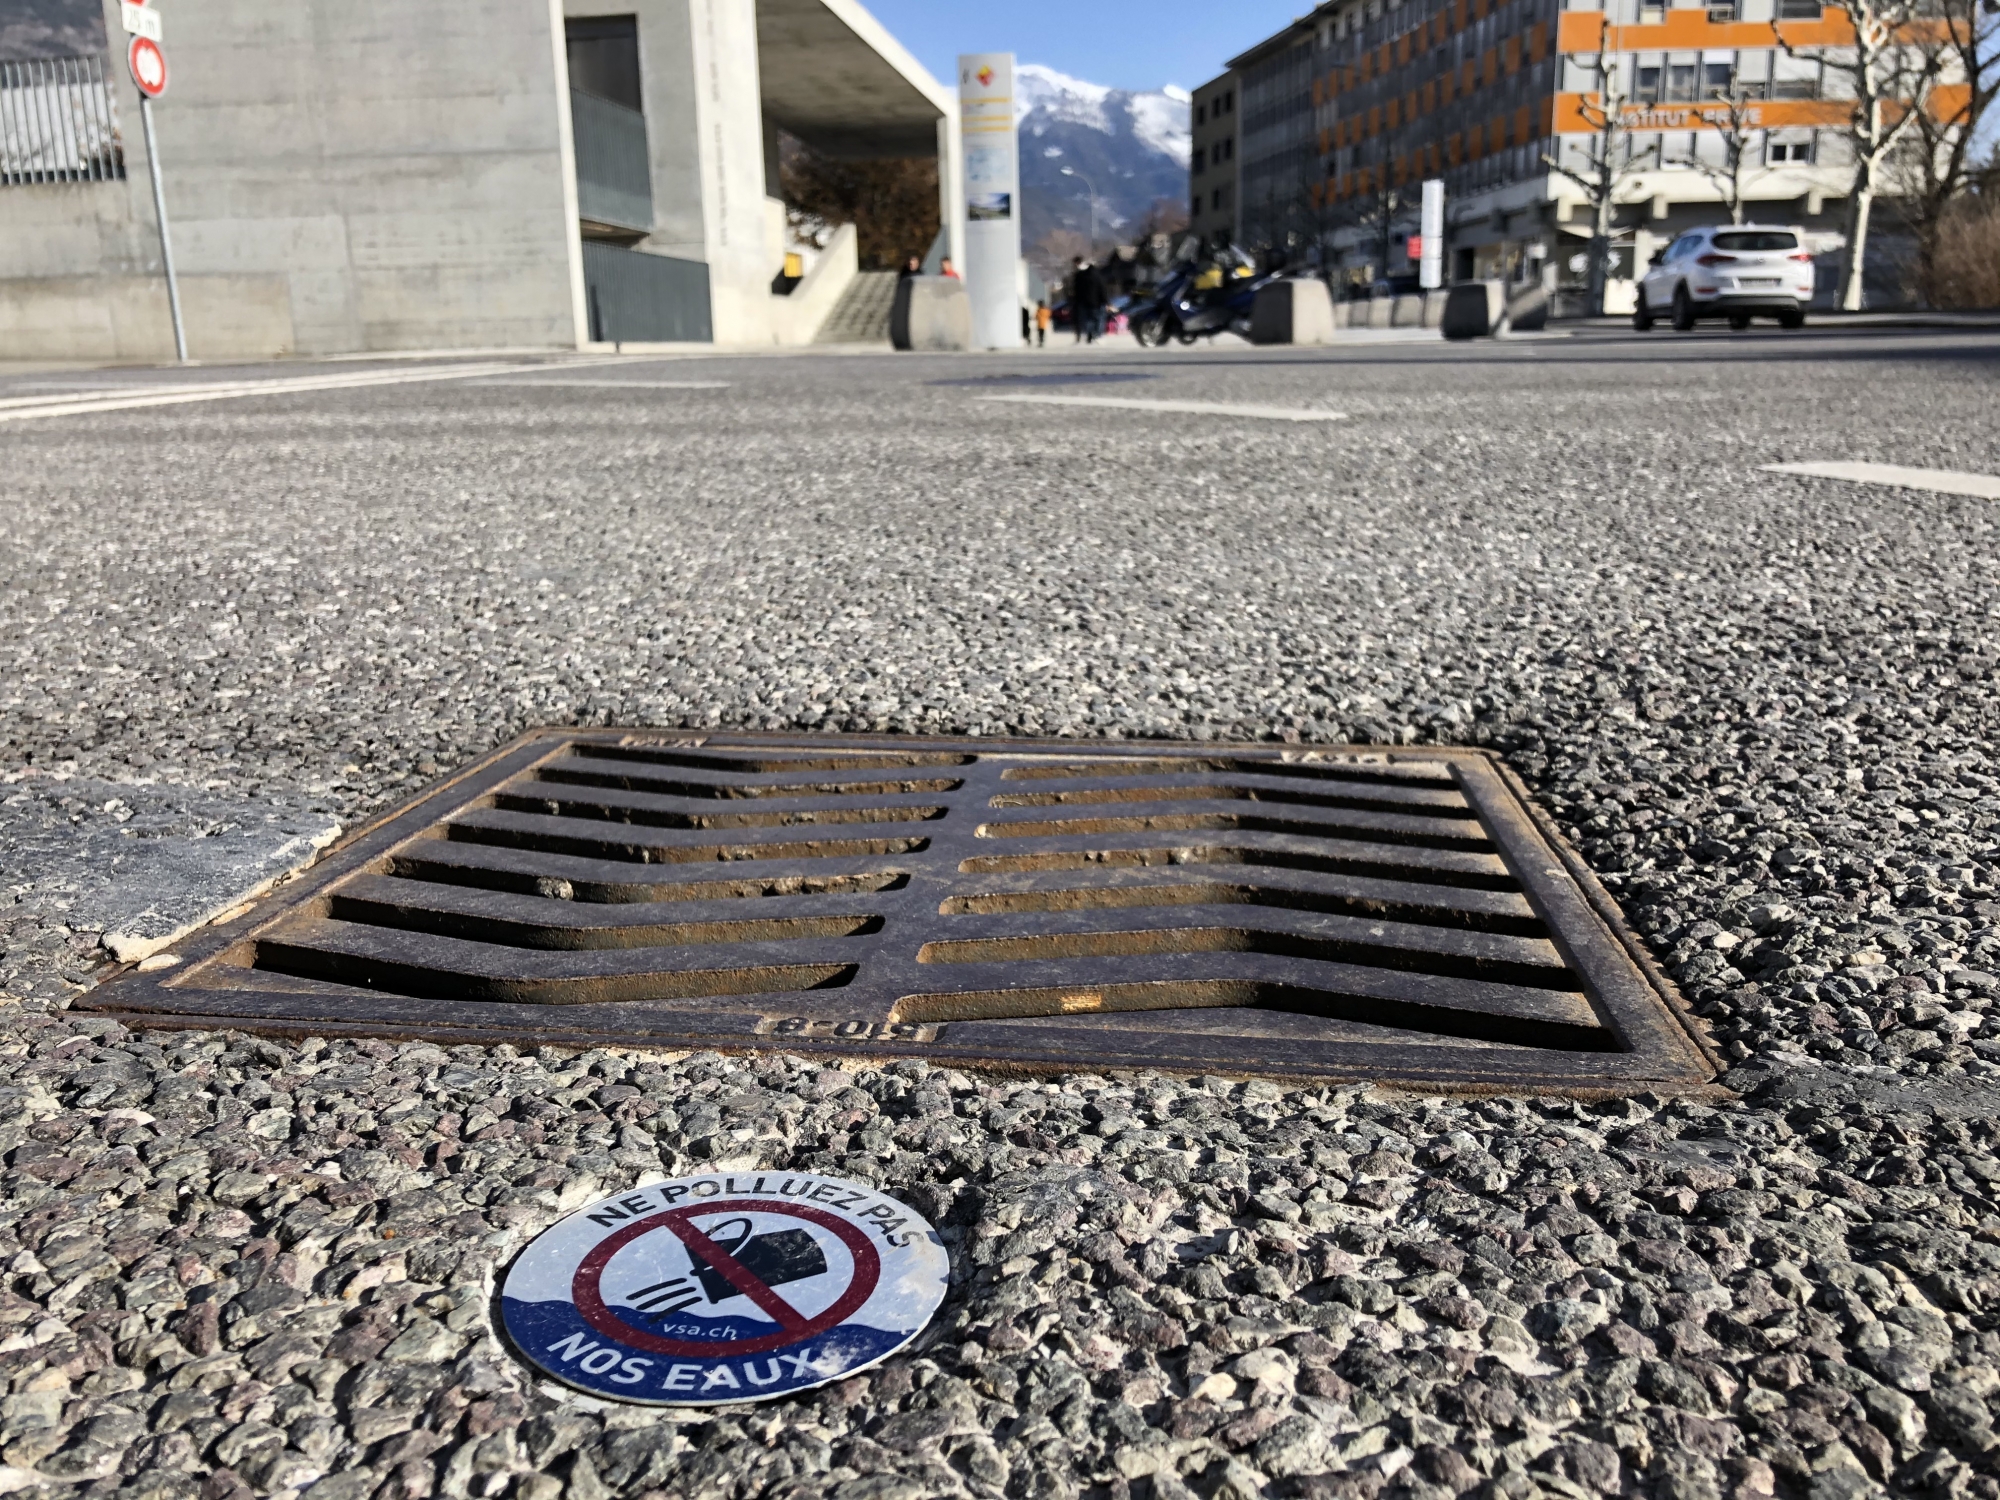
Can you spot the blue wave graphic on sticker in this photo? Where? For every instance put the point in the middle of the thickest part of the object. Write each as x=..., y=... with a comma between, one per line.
x=555, y=1336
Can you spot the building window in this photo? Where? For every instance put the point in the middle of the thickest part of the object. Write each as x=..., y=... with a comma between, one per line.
x=1647, y=88
x=1200, y=159
x=1724, y=12
x=1681, y=80
x=604, y=58
x=1789, y=151
x=1718, y=78
x=1229, y=148
x=1798, y=10
x=1795, y=88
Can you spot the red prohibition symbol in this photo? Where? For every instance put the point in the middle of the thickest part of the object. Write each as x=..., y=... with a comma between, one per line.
x=149, y=66
x=679, y=1222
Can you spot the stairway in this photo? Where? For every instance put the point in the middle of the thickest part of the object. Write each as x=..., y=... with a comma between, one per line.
x=861, y=316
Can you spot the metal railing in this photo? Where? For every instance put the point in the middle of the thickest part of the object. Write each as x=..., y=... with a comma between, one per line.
x=614, y=168
x=57, y=122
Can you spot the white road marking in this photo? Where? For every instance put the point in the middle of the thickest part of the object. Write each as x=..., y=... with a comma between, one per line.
x=174, y=395
x=627, y=385
x=1191, y=408
x=1943, y=481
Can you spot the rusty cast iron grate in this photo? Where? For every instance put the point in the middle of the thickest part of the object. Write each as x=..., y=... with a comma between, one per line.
x=1346, y=913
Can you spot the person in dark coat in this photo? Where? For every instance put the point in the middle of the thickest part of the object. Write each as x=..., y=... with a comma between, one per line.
x=1087, y=298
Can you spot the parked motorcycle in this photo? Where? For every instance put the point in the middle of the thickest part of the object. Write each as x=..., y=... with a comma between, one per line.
x=1199, y=299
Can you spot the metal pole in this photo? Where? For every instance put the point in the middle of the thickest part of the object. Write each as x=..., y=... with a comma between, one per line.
x=1090, y=188
x=166, y=241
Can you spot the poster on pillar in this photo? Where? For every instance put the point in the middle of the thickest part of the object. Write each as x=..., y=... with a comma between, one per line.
x=992, y=177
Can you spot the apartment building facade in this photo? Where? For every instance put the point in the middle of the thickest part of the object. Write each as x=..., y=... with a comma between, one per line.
x=1212, y=186
x=1350, y=108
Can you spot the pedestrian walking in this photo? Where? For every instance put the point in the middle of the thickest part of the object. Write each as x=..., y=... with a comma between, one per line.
x=1086, y=300
x=911, y=267
x=1043, y=317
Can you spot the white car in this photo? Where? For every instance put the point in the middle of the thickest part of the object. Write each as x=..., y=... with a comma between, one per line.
x=1733, y=271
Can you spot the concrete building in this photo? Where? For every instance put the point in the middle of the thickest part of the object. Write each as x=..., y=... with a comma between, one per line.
x=355, y=175
x=1212, y=167
x=1348, y=109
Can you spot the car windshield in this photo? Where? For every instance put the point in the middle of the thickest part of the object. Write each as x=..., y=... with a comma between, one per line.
x=1759, y=239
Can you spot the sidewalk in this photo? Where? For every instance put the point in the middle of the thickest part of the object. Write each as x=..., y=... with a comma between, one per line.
x=1830, y=320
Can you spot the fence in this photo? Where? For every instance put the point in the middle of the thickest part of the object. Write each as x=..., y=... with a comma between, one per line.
x=635, y=298
x=57, y=122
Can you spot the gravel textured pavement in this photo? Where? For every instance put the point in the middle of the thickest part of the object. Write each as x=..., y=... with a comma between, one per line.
x=1763, y=707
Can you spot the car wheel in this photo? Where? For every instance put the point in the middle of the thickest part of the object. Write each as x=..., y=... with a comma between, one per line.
x=1792, y=320
x=1642, y=315
x=1683, y=310
x=1739, y=321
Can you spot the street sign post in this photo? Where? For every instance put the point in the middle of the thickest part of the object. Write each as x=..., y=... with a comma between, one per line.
x=1431, y=251
x=149, y=75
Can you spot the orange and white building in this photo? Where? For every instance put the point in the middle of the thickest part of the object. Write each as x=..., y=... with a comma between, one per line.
x=1347, y=110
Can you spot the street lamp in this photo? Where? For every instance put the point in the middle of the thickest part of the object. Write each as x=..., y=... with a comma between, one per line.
x=1091, y=188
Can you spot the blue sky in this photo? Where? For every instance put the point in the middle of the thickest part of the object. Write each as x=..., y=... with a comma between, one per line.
x=1126, y=46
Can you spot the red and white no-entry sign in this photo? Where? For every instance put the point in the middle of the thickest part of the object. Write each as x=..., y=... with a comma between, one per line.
x=149, y=66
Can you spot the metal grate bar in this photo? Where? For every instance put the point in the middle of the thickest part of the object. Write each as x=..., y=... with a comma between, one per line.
x=57, y=122
x=1344, y=913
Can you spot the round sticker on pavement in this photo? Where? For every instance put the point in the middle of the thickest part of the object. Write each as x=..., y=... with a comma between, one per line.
x=705, y=1290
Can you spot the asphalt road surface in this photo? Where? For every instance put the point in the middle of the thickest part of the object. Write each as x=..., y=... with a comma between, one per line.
x=1761, y=704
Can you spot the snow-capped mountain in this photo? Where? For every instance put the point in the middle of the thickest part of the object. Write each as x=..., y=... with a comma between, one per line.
x=1131, y=147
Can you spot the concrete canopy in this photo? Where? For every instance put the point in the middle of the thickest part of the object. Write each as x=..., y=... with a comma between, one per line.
x=839, y=82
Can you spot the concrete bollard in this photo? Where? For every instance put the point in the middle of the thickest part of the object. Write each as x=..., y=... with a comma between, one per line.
x=1406, y=311
x=1343, y=313
x=931, y=313
x=1380, y=310
x=1297, y=310
x=1528, y=310
x=1474, y=309
x=1434, y=302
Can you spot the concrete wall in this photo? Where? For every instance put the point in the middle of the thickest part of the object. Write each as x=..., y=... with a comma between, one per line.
x=398, y=169
x=705, y=131
x=729, y=100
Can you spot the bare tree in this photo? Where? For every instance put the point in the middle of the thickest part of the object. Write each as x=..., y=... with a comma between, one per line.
x=892, y=204
x=1936, y=166
x=1888, y=78
x=1376, y=210
x=1731, y=118
x=1609, y=163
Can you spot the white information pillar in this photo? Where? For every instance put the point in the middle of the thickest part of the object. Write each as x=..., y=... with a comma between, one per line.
x=1430, y=262
x=992, y=178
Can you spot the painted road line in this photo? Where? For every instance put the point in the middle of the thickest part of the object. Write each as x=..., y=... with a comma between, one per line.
x=1943, y=481
x=1189, y=408
x=627, y=385
x=224, y=391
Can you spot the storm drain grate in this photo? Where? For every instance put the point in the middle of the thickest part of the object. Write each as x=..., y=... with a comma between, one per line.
x=1339, y=913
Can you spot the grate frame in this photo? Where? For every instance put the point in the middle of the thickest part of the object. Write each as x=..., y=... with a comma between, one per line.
x=1121, y=927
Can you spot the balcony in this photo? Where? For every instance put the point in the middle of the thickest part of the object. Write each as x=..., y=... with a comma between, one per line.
x=614, y=168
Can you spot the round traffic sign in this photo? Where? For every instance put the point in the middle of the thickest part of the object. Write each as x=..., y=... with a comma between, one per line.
x=149, y=66
x=731, y=1287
